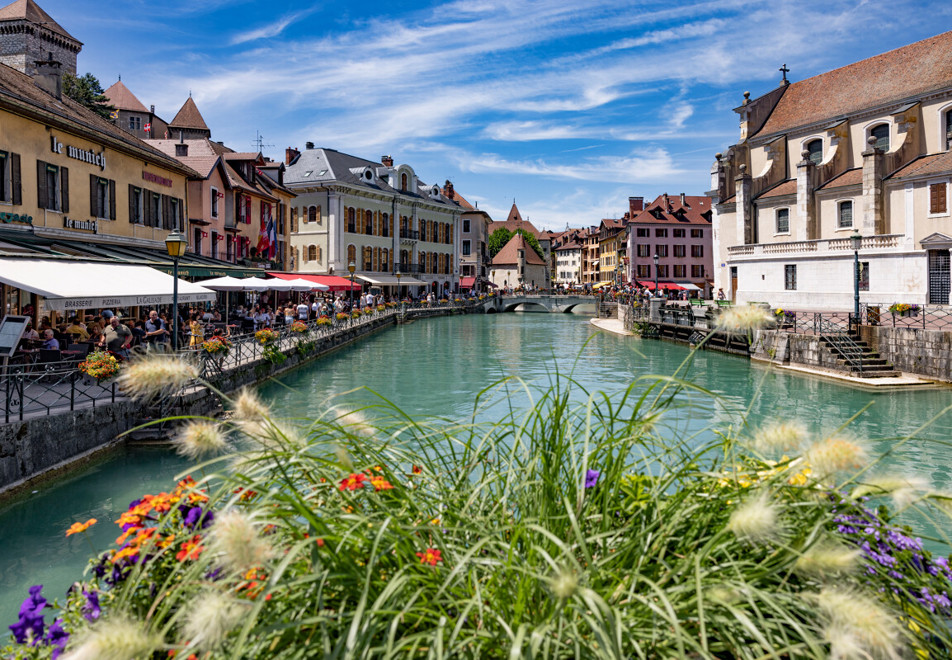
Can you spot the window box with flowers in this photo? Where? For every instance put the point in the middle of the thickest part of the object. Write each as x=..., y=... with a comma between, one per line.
x=904, y=309
x=785, y=317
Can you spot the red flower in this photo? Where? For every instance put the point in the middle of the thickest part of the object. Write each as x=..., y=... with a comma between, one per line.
x=191, y=549
x=417, y=469
x=379, y=483
x=430, y=556
x=353, y=482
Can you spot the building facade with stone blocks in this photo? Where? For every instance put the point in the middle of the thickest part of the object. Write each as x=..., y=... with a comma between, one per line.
x=131, y=115
x=377, y=216
x=858, y=153
x=29, y=35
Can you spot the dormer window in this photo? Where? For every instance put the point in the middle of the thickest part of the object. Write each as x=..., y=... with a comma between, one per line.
x=403, y=182
x=881, y=133
x=815, y=151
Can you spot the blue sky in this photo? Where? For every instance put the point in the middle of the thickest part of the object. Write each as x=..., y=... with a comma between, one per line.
x=568, y=107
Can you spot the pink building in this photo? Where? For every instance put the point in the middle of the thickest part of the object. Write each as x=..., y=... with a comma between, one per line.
x=678, y=230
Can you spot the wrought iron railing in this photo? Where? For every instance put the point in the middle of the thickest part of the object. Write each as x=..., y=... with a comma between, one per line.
x=50, y=387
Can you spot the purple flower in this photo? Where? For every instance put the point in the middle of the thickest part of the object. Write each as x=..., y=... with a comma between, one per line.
x=591, y=478
x=91, y=609
x=57, y=638
x=31, y=617
x=196, y=515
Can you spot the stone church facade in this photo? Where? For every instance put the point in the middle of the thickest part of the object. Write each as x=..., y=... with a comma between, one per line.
x=861, y=150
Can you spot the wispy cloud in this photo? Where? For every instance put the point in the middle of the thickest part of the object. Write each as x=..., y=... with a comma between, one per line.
x=271, y=29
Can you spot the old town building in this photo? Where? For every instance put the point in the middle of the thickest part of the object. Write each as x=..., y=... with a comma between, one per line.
x=29, y=35
x=861, y=151
x=515, y=222
x=474, y=261
x=519, y=265
x=610, y=233
x=379, y=217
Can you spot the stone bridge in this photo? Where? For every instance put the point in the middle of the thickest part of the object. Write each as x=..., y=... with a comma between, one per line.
x=550, y=303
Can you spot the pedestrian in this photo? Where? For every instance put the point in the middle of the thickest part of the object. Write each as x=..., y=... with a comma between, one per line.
x=156, y=331
x=118, y=337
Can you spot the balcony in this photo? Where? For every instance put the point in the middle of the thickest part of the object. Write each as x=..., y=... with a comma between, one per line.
x=821, y=246
x=409, y=236
x=403, y=268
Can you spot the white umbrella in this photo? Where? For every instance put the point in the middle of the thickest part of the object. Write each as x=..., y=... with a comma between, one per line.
x=255, y=284
x=224, y=284
x=286, y=285
x=311, y=286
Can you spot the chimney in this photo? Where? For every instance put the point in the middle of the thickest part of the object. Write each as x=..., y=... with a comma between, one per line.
x=181, y=149
x=152, y=109
x=387, y=161
x=683, y=204
x=636, y=205
x=448, y=190
x=49, y=78
x=290, y=154
x=308, y=145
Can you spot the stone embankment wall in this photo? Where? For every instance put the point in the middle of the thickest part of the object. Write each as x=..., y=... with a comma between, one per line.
x=44, y=446
x=926, y=353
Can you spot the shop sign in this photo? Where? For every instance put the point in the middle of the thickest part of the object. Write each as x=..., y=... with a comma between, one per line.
x=83, y=225
x=155, y=178
x=16, y=217
x=85, y=155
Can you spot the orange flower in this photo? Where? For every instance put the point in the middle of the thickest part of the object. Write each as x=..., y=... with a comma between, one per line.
x=320, y=543
x=417, y=469
x=430, y=556
x=379, y=483
x=191, y=549
x=353, y=482
x=76, y=528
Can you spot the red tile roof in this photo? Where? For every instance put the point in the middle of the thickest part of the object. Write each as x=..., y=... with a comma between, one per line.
x=788, y=187
x=906, y=72
x=510, y=253
x=848, y=178
x=122, y=99
x=696, y=211
x=926, y=165
x=30, y=11
x=514, y=222
x=189, y=117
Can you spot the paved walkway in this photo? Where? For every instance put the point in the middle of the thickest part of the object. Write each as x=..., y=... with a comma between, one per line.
x=615, y=326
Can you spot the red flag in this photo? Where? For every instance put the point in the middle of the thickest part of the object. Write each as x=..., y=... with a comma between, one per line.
x=147, y=128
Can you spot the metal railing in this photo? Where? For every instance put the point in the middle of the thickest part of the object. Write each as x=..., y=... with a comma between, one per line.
x=49, y=387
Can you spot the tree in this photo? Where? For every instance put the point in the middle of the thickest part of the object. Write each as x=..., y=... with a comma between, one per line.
x=87, y=91
x=499, y=238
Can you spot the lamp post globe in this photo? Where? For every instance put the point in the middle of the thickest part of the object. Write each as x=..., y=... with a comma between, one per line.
x=856, y=240
x=352, y=267
x=175, y=244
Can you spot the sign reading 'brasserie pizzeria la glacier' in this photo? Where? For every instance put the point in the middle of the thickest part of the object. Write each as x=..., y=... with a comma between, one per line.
x=85, y=155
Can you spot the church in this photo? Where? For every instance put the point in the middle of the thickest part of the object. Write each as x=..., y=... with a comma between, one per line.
x=852, y=164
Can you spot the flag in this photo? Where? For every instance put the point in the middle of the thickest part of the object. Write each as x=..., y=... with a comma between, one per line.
x=114, y=114
x=147, y=128
x=272, y=239
x=263, y=237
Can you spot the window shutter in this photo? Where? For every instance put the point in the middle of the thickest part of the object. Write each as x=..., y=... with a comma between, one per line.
x=42, y=197
x=93, y=207
x=942, y=201
x=166, y=213
x=181, y=212
x=15, y=179
x=112, y=199
x=248, y=210
x=64, y=189
x=132, y=204
x=937, y=198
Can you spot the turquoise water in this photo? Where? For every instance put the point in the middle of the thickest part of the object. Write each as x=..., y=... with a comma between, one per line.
x=436, y=367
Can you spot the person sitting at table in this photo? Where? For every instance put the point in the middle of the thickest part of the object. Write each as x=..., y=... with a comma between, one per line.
x=77, y=329
x=49, y=341
x=95, y=336
x=29, y=333
x=117, y=337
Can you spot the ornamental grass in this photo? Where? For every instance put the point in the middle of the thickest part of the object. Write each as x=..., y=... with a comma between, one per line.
x=563, y=530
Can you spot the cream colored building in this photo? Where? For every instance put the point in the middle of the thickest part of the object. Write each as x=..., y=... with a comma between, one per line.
x=861, y=149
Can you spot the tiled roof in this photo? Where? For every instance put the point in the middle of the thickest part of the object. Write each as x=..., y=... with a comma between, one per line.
x=17, y=90
x=572, y=244
x=459, y=199
x=906, y=72
x=189, y=117
x=30, y=11
x=848, y=178
x=204, y=165
x=510, y=253
x=926, y=165
x=788, y=187
x=242, y=155
x=122, y=99
x=696, y=211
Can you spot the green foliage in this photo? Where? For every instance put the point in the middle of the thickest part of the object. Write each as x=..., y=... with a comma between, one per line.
x=499, y=238
x=87, y=91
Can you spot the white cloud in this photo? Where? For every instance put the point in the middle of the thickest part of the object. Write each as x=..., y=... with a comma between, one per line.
x=648, y=165
x=272, y=29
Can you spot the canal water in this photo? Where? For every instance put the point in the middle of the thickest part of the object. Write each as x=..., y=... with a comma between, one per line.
x=436, y=367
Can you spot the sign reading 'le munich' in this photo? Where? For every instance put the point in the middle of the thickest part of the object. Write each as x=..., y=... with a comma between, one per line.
x=85, y=155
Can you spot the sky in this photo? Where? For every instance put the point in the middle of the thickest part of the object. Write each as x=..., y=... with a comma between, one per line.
x=566, y=107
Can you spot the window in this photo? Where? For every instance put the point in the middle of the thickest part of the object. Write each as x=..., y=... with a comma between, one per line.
x=783, y=221
x=697, y=251
x=352, y=255
x=677, y=233
x=662, y=270
x=697, y=233
x=175, y=213
x=369, y=223
x=881, y=133
x=466, y=249
x=242, y=209
x=644, y=250
x=136, y=206
x=948, y=129
x=215, y=202
x=814, y=149
x=230, y=248
x=312, y=214
x=697, y=271
x=197, y=243
x=102, y=197
x=661, y=233
x=661, y=250
x=352, y=220
x=385, y=225
x=155, y=210
x=642, y=232
x=10, y=186
x=864, y=276
x=52, y=187
x=937, y=198
x=680, y=270
x=368, y=259
x=422, y=230
x=135, y=123
x=403, y=182
x=643, y=271
x=790, y=277
x=385, y=260
x=465, y=226
x=844, y=216
x=215, y=238
x=679, y=251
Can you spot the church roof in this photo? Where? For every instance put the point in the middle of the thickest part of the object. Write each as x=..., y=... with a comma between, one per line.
x=853, y=177
x=788, y=187
x=510, y=253
x=30, y=11
x=904, y=73
x=189, y=117
x=121, y=98
x=926, y=166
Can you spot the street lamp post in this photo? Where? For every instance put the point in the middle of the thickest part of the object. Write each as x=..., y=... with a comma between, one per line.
x=856, y=239
x=352, y=267
x=656, y=274
x=175, y=244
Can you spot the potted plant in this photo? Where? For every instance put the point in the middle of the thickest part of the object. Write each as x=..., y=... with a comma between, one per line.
x=904, y=309
x=99, y=365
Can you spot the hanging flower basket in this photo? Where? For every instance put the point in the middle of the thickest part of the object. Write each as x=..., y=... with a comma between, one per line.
x=99, y=365
x=299, y=327
x=216, y=347
x=266, y=336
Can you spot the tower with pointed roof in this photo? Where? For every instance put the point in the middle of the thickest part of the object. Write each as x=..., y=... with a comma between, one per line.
x=189, y=124
x=29, y=35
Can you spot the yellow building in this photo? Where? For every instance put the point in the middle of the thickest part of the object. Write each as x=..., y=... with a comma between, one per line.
x=608, y=243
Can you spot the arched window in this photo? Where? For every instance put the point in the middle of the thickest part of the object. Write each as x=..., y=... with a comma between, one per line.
x=352, y=255
x=947, y=124
x=312, y=253
x=404, y=259
x=352, y=220
x=368, y=259
x=815, y=149
x=312, y=213
x=881, y=133
x=403, y=182
x=369, y=223
x=385, y=227
x=385, y=260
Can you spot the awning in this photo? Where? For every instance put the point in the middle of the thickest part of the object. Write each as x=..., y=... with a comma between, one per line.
x=332, y=282
x=648, y=284
x=389, y=280
x=601, y=284
x=467, y=282
x=689, y=286
x=69, y=285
